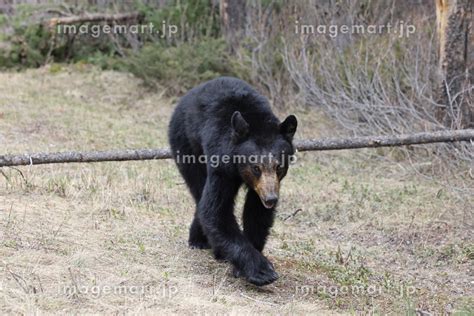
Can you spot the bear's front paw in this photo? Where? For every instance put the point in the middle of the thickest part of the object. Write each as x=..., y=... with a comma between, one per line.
x=195, y=244
x=259, y=271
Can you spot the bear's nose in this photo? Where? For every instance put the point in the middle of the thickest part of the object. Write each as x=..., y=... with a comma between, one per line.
x=270, y=201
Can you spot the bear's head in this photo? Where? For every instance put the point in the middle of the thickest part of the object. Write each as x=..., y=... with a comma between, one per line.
x=263, y=152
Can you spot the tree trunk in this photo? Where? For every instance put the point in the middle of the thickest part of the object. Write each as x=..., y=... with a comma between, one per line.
x=454, y=23
x=233, y=19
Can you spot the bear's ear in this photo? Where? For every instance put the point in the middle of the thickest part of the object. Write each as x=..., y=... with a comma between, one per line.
x=288, y=127
x=240, y=127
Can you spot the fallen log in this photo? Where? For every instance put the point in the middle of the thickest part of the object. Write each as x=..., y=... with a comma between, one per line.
x=95, y=17
x=386, y=141
x=301, y=145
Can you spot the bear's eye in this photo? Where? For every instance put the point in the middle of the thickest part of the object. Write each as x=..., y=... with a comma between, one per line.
x=256, y=170
x=279, y=167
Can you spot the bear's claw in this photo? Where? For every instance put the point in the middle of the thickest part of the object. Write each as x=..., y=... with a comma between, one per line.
x=264, y=276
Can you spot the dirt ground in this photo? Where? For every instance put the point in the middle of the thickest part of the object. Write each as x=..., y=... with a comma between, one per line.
x=355, y=232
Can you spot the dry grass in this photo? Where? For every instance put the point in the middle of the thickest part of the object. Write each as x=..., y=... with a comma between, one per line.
x=122, y=227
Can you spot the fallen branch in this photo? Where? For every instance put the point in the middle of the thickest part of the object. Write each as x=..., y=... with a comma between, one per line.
x=301, y=145
x=86, y=156
x=386, y=141
x=292, y=214
x=95, y=17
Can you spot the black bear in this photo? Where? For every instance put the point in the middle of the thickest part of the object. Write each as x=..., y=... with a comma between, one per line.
x=223, y=134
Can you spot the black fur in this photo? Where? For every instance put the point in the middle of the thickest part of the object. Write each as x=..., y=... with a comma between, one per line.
x=226, y=116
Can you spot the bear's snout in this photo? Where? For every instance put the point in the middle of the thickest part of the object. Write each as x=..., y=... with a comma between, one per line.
x=270, y=201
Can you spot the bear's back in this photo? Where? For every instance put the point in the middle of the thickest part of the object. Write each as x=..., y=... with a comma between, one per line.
x=205, y=112
x=218, y=99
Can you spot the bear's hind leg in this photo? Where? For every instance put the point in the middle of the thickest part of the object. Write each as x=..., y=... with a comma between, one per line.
x=194, y=174
x=197, y=238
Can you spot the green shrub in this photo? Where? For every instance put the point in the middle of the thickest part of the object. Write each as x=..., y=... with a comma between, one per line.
x=27, y=47
x=196, y=54
x=181, y=67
